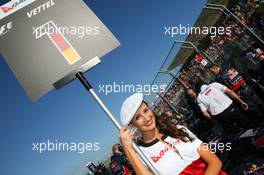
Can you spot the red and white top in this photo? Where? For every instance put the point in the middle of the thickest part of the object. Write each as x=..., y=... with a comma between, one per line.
x=168, y=162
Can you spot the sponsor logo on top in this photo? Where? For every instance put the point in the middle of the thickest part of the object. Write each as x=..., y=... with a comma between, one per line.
x=13, y=6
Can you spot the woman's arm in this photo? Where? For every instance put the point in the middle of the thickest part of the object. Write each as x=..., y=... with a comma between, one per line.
x=213, y=163
x=126, y=137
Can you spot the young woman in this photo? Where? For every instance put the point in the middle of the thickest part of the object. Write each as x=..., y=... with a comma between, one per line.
x=172, y=150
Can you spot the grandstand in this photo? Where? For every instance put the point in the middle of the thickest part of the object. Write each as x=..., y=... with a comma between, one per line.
x=188, y=62
x=223, y=50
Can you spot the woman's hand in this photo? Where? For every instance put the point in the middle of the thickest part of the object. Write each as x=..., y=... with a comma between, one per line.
x=126, y=138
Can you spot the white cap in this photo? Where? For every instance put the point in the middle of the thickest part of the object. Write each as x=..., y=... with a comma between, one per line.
x=130, y=107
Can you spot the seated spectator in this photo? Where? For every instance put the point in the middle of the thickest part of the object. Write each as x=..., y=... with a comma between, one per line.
x=254, y=55
x=119, y=163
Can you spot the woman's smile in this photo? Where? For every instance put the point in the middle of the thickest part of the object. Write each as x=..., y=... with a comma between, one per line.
x=148, y=123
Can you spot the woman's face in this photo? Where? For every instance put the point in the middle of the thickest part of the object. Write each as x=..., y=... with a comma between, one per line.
x=144, y=119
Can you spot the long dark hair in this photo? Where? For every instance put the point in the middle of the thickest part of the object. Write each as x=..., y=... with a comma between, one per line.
x=166, y=127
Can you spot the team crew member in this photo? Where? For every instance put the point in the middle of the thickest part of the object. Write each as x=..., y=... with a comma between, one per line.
x=220, y=75
x=172, y=150
x=213, y=101
x=235, y=81
x=205, y=124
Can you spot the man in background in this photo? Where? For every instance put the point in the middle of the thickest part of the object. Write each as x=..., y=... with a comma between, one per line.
x=215, y=102
x=119, y=163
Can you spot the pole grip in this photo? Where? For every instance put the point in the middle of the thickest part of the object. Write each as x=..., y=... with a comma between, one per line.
x=84, y=81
